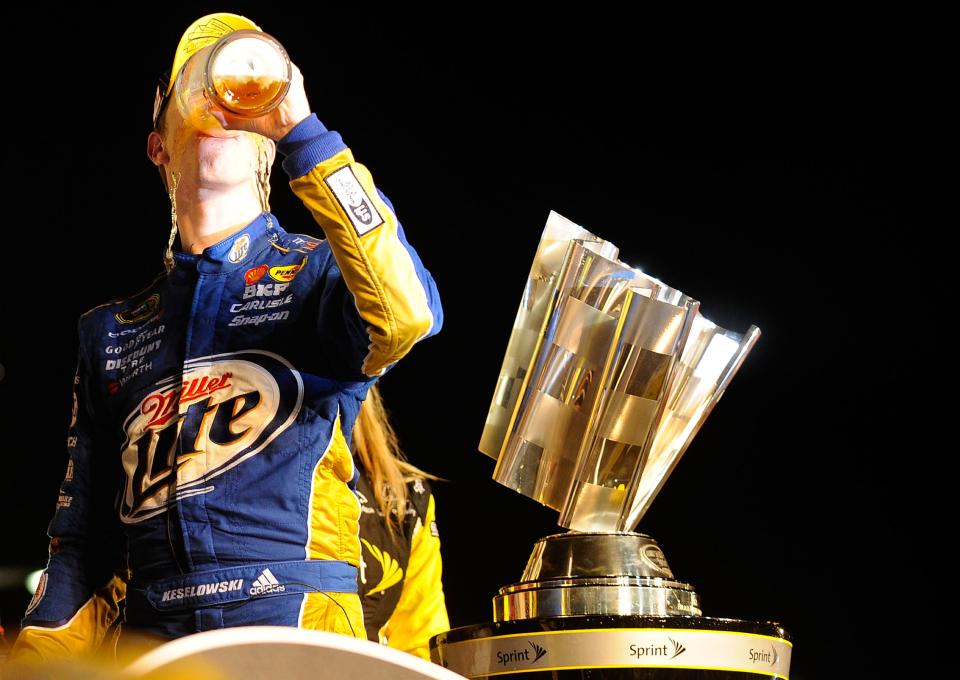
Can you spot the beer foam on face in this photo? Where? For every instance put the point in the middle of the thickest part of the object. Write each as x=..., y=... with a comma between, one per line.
x=249, y=57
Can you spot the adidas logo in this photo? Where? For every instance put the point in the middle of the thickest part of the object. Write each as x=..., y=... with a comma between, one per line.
x=266, y=583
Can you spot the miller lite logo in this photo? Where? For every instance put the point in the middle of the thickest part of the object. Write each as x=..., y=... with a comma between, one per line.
x=239, y=249
x=217, y=414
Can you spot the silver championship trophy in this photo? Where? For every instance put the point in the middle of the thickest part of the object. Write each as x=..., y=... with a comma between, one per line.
x=608, y=376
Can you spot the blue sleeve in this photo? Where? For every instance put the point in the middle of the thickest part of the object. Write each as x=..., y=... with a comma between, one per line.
x=86, y=544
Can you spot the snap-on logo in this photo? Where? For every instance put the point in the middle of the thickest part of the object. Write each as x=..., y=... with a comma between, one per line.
x=218, y=413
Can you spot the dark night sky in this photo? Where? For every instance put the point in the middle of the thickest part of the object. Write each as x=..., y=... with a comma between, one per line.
x=772, y=177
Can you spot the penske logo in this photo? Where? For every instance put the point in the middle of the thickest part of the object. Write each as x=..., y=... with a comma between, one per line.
x=288, y=273
x=220, y=412
x=175, y=594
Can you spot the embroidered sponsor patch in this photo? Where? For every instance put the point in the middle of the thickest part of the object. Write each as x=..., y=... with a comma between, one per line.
x=38, y=595
x=239, y=250
x=141, y=312
x=288, y=273
x=354, y=200
x=201, y=590
x=255, y=274
x=229, y=407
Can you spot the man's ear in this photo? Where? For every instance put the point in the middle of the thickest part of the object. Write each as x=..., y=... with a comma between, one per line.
x=157, y=150
x=157, y=153
x=271, y=149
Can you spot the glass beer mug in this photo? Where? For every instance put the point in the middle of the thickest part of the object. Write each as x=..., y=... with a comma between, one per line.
x=245, y=72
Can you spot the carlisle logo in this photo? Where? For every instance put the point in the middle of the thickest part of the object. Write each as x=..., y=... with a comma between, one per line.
x=288, y=273
x=196, y=425
x=141, y=312
x=255, y=274
x=239, y=250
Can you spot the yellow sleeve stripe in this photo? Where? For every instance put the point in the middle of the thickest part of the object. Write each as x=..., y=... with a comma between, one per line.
x=376, y=266
x=421, y=612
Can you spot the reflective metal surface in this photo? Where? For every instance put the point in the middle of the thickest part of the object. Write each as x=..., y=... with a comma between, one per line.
x=632, y=597
x=618, y=647
x=577, y=574
x=710, y=359
x=591, y=555
x=540, y=295
x=608, y=376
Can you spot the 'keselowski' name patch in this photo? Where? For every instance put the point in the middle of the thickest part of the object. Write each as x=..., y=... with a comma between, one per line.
x=354, y=200
x=201, y=590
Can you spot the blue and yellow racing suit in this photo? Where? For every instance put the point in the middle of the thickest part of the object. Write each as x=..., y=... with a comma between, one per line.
x=209, y=480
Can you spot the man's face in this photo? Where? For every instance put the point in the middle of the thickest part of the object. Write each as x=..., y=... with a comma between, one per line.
x=224, y=161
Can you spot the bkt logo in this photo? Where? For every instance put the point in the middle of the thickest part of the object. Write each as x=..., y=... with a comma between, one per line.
x=222, y=411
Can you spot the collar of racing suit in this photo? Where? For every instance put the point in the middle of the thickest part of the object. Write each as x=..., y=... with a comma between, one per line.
x=235, y=251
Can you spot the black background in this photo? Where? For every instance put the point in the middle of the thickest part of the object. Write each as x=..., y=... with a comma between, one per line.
x=768, y=166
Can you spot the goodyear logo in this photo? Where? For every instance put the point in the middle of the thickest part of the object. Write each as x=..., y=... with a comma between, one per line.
x=288, y=273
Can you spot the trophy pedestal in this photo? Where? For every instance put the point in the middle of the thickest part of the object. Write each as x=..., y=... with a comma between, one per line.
x=606, y=605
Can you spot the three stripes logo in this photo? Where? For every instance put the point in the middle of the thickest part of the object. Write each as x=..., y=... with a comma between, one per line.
x=265, y=584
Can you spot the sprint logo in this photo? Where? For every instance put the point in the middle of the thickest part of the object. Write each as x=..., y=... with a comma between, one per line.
x=266, y=584
x=515, y=656
x=763, y=656
x=678, y=649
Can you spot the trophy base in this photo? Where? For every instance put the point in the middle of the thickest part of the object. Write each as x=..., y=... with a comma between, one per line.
x=607, y=605
x=617, y=648
x=577, y=574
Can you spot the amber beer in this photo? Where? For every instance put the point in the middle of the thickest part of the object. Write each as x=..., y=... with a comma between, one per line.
x=247, y=94
x=245, y=72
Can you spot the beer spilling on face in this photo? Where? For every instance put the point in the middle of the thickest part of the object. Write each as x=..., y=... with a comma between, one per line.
x=246, y=73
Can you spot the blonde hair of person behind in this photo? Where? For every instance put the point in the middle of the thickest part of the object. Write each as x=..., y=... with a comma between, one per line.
x=375, y=444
